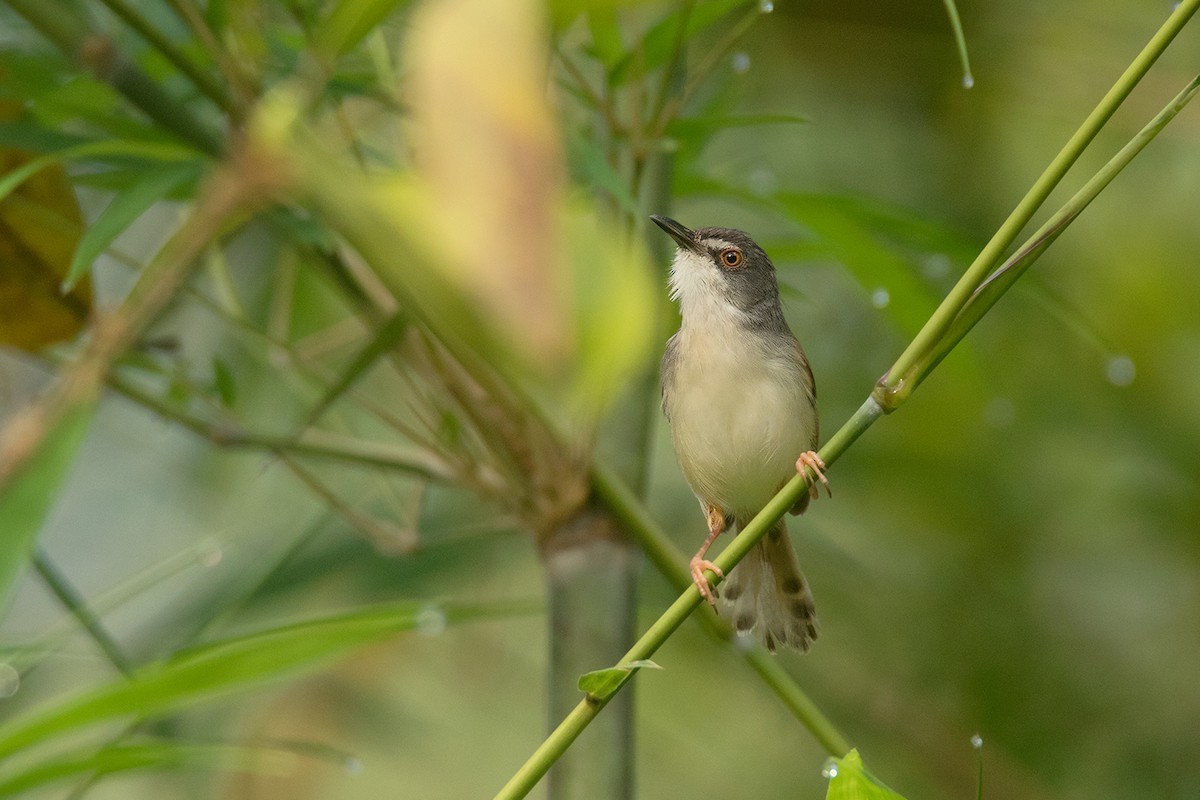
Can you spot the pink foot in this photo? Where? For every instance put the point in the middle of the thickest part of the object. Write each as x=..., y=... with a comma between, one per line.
x=811, y=460
x=698, y=565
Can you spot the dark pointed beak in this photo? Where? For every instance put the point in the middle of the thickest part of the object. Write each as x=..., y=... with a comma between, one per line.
x=684, y=237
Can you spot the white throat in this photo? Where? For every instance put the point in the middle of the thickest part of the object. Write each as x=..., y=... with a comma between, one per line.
x=698, y=287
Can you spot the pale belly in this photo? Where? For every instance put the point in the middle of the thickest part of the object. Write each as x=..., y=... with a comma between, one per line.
x=738, y=426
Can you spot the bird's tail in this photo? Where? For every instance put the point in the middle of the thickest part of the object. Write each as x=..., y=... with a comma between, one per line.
x=768, y=595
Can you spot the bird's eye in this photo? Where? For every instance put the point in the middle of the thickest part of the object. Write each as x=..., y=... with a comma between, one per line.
x=731, y=258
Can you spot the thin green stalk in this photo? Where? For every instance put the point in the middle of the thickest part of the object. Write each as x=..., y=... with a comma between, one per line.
x=1015, y=266
x=156, y=39
x=421, y=465
x=669, y=561
x=960, y=42
x=569, y=729
x=898, y=382
x=73, y=37
x=61, y=588
x=984, y=296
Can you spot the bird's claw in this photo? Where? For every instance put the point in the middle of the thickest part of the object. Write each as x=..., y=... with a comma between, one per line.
x=810, y=460
x=698, y=565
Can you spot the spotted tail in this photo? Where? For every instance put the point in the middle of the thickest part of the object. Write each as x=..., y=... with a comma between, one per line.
x=768, y=596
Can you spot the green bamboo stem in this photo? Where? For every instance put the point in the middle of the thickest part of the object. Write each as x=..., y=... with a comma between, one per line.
x=1000, y=281
x=898, y=382
x=156, y=39
x=669, y=561
x=985, y=294
x=569, y=729
x=61, y=588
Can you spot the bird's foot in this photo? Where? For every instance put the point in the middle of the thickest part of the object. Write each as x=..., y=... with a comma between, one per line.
x=810, y=460
x=697, y=566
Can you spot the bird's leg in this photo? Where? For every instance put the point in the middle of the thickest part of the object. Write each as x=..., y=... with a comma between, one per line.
x=812, y=461
x=717, y=523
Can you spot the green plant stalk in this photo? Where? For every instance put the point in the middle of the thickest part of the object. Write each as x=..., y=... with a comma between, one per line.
x=960, y=42
x=569, y=729
x=529, y=774
x=199, y=78
x=669, y=561
x=422, y=465
x=62, y=589
x=1015, y=266
x=898, y=382
x=81, y=45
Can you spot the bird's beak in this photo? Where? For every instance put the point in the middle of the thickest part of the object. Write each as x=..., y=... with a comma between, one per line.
x=684, y=237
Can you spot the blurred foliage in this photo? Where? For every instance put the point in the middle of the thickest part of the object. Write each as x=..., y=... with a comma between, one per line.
x=1014, y=555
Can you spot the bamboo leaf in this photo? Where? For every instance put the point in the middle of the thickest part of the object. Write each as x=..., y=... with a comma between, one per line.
x=604, y=683
x=234, y=664
x=28, y=494
x=350, y=21
x=144, y=756
x=849, y=780
x=126, y=206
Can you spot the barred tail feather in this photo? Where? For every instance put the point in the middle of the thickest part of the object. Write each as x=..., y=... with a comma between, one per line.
x=769, y=597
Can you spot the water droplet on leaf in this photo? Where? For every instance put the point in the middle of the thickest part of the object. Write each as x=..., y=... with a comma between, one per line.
x=740, y=63
x=999, y=412
x=830, y=770
x=880, y=298
x=762, y=182
x=1121, y=370
x=976, y=741
x=10, y=680
x=968, y=80
x=431, y=621
x=766, y=6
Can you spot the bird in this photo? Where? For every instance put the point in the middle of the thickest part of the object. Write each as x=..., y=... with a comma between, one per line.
x=741, y=402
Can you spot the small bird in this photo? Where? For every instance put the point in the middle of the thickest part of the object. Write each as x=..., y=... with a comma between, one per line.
x=739, y=395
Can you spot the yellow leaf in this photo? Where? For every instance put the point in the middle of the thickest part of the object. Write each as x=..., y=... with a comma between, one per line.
x=40, y=225
x=487, y=144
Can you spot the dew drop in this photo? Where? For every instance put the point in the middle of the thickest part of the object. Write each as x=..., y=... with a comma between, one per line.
x=968, y=80
x=762, y=182
x=1120, y=370
x=880, y=298
x=830, y=770
x=766, y=6
x=352, y=766
x=10, y=680
x=740, y=63
x=976, y=741
x=936, y=266
x=431, y=621
x=209, y=553
x=999, y=412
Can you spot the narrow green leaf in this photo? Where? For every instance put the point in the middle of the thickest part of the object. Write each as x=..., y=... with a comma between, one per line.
x=224, y=383
x=149, y=755
x=350, y=21
x=659, y=42
x=28, y=494
x=960, y=42
x=849, y=780
x=604, y=683
x=605, y=28
x=235, y=664
x=589, y=165
x=125, y=207
x=154, y=151
x=388, y=335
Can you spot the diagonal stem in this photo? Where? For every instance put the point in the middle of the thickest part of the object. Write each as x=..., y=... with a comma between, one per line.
x=898, y=382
